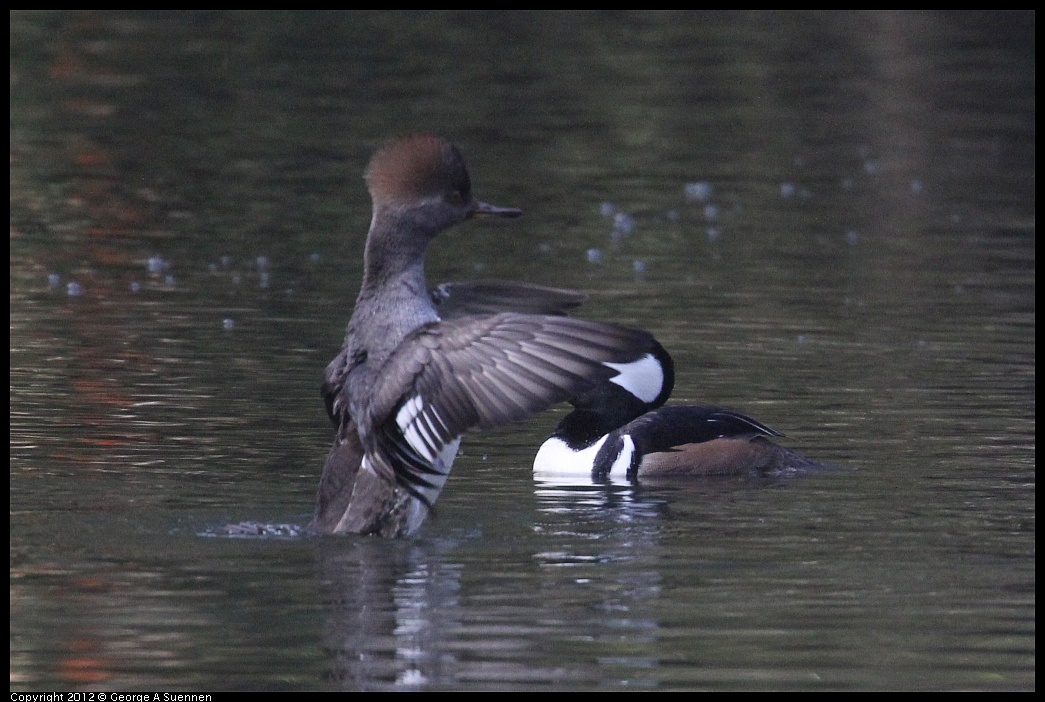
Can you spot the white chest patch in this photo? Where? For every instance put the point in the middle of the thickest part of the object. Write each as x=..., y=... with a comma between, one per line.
x=643, y=378
x=555, y=456
x=558, y=464
x=623, y=462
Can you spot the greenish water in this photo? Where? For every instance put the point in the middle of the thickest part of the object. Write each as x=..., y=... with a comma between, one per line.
x=827, y=218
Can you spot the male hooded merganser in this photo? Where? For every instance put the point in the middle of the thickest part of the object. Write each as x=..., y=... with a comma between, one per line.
x=408, y=383
x=616, y=436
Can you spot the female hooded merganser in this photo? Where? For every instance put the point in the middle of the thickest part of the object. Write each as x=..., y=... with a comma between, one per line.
x=463, y=298
x=409, y=383
x=616, y=436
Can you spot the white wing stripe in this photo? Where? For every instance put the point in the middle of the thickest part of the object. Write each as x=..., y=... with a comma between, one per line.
x=428, y=427
x=418, y=443
x=414, y=431
x=423, y=428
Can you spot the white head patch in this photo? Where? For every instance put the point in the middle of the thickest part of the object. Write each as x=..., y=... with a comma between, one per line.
x=643, y=378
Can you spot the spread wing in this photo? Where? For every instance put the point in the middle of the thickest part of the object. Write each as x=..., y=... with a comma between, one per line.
x=458, y=299
x=482, y=372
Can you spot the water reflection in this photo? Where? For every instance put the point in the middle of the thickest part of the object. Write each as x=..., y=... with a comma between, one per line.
x=406, y=616
x=390, y=609
x=399, y=615
x=616, y=538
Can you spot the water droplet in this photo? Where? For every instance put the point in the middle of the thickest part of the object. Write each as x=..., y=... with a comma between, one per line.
x=699, y=191
x=623, y=223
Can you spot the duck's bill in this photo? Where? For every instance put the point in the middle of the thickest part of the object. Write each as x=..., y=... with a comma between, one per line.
x=485, y=209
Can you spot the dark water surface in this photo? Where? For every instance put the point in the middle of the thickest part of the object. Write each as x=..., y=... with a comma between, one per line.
x=828, y=219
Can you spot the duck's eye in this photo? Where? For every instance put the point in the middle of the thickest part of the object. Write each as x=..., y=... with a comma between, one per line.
x=457, y=197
